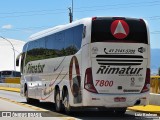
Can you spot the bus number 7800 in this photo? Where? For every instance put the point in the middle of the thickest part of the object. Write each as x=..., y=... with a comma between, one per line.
x=105, y=83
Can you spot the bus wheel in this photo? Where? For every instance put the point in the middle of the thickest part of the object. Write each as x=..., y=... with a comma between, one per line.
x=120, y=111
x=67, y=107
x=58, y=102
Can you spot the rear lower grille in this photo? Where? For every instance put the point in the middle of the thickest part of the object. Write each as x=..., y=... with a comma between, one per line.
x=120, y=60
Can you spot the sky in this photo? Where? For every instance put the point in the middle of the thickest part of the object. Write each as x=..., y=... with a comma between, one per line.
x=19, y=19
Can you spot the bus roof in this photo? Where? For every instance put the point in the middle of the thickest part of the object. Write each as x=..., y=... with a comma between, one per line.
x=55, y=29
x=45, y=31
x=58, y=28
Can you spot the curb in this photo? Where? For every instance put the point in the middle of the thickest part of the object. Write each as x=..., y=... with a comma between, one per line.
x=10, y=89
x=146, y=109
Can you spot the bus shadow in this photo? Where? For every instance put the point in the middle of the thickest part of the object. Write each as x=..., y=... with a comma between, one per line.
x=44, y=105
x=86, y=113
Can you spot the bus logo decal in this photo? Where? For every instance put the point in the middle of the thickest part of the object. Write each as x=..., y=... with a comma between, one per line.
x=119, y=29
x=35, y=68
x=75, y=81
x=129, y=71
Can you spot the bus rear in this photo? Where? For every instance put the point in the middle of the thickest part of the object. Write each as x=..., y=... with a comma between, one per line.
x=119, y=75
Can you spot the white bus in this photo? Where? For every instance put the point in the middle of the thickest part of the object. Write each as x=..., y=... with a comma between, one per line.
x=101, y=62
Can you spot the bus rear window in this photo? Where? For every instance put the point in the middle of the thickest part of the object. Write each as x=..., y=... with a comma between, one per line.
x=119, y=30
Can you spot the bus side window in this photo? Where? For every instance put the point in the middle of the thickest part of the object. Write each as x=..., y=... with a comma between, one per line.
x=48, y=42
x=69, y=44
x=84, y=32
x=49, y=50
x=59, y=41
x=78, y=34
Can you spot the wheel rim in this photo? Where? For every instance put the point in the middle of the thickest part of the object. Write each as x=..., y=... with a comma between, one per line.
x=58, y=101
x=66, y=102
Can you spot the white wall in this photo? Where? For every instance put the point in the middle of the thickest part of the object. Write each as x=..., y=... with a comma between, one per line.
x=7, y=54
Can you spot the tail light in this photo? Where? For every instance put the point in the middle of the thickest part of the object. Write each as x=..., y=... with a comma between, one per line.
x=88, y=83
x=146, y=87
x=94, y=18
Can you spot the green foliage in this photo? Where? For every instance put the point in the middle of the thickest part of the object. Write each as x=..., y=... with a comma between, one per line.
x=41, y=53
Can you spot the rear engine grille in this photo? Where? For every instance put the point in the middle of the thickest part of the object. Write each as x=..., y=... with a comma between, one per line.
x=119, y=60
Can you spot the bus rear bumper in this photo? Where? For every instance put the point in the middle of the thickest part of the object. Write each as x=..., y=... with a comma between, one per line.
x=109, y=100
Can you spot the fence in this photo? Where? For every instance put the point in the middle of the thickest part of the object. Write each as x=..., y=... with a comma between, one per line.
x=155, y=84
x=13, y=80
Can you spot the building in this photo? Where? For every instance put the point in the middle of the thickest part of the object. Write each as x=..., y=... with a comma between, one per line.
x=7, y=53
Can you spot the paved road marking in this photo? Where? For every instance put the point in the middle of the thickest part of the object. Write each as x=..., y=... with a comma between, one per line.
x=47, y=112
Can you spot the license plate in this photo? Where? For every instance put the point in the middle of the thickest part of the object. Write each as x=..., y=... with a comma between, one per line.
x=119, y=99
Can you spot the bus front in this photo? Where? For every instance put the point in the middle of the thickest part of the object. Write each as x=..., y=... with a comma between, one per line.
x=119, y=75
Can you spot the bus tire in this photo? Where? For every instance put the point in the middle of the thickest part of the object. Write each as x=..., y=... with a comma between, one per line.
x=68, y=109
x=58, y=102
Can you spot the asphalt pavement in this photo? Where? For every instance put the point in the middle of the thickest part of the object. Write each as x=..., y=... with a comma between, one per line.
x=10, y=96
